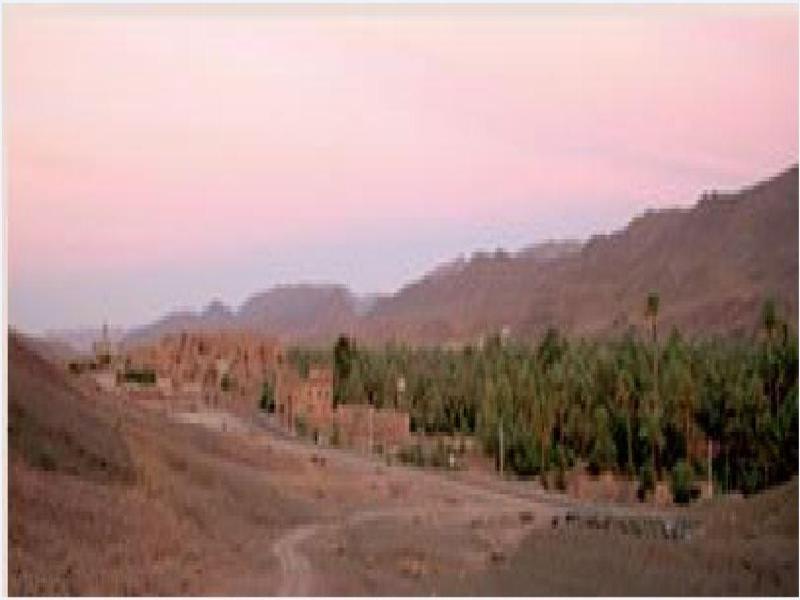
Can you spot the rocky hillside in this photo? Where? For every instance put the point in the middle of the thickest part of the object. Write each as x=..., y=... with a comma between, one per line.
x=713, y=265
x=302, y=311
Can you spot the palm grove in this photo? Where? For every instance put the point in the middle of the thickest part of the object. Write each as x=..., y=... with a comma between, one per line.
x=641, y=406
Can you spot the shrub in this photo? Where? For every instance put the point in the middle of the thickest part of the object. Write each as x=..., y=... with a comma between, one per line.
x=267, y=398
x=412, y=455
x=647, y=481
x=226, y=383
x=750, y=476
x=140, y=376
x=682, y=479
x=603, y=453
x=523, y=455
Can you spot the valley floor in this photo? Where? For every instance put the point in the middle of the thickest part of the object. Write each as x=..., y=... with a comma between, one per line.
x=218, y=505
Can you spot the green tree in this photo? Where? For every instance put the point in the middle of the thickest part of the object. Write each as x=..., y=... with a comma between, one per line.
x=343, y=358
x=603, y=454
x=651, y=312
x=267, y=397
x=624, y=397
x=769, y=318
x=682, y=478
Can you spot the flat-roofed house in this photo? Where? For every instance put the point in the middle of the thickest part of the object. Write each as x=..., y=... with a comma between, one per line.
x=305, y=403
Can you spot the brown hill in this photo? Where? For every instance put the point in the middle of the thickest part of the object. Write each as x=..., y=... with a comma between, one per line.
x=79, y=340
x=53, y=425
x=303, y=311
x=214, y=317
x=713, y=265
x=106, y=498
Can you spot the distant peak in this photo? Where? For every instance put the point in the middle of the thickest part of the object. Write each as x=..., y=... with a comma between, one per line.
x=551, y=249
x=216, y=308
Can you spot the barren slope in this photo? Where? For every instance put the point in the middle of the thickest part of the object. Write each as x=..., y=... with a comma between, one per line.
x=713, y=264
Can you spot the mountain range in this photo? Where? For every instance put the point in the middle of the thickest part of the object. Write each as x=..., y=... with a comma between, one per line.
x=713, y=265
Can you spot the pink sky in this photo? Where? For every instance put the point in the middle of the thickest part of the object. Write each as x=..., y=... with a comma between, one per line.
x=160, y=156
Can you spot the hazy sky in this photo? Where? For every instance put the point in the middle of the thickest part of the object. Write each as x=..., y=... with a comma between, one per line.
x=157, y=157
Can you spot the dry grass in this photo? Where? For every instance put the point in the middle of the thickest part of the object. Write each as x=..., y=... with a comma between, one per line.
x=747, y=547
x=129, y=502
x=126, y=503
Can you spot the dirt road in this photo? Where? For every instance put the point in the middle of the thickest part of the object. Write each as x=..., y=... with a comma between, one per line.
x=489, y=519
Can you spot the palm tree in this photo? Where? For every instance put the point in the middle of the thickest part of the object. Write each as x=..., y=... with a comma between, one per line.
x=769, y=318
x=769, y=321
x=651, y=430
x=625, y=403
x=686, y=403
x=651, y=312
x=545, y=421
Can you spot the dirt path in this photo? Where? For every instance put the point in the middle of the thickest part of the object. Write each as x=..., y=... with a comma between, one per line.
x=437, y=498
x=296, y=573
x=298, y=576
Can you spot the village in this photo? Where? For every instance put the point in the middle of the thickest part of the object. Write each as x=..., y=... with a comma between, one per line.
x=224, y=378
x=244, y=374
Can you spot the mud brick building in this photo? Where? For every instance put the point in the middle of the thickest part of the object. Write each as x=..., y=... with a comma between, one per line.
x=305, y=405
x=223, y=369
x=305, y=402
x=358, y=425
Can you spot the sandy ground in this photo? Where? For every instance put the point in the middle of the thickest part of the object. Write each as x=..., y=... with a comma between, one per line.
x=227, y=505
x=405, y=531
x=373, y=504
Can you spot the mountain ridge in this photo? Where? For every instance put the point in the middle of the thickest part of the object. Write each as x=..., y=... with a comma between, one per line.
x=713, y=264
